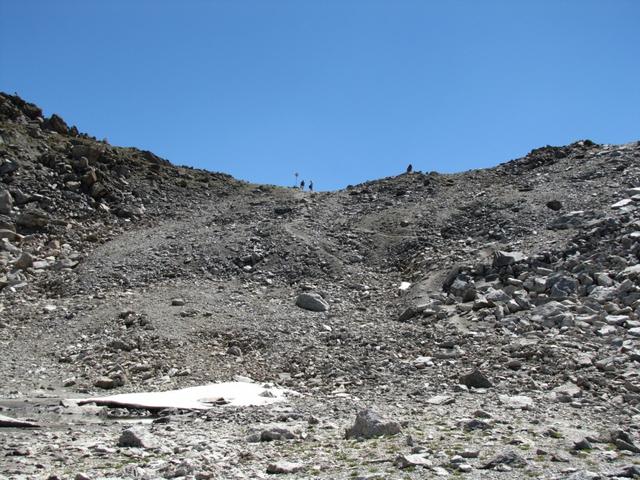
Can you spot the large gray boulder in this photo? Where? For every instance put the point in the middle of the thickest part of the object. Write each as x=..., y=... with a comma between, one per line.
x=370, y=425
x=312, y=301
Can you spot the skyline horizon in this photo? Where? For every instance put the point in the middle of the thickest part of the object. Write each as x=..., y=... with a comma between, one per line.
x=342, y=90
x=298, y=177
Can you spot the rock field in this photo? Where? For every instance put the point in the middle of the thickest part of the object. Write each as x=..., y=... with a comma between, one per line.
x=477, y=325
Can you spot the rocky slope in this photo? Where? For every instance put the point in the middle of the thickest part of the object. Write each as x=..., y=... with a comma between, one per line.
x=494, y=315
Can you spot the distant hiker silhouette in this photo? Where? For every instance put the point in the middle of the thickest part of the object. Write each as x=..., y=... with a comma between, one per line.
x=410, y=168
x=311, y=186
x=302, y=185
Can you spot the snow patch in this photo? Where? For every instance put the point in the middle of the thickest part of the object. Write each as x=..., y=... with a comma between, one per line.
x=239, y=394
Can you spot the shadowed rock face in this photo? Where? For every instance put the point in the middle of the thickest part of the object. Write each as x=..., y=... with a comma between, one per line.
x=411, y=294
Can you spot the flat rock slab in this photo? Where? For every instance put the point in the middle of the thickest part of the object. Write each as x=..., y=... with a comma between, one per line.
x=413, y=460
x=9, y=422
x=239, y=394
x=284, y=467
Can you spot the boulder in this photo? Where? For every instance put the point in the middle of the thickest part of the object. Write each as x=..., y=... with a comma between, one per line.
x=136, y=438
x=89, y=178
x=503, y=259
x=498, y=296
x=312, y=301
x=554, y=205
x=57, y=124
x=562, y=286
x=369, y=425
x=98, y=190
x=550, y=310
x=90, y=152
x=475, y=379
x=602, y=294
x=463, y=288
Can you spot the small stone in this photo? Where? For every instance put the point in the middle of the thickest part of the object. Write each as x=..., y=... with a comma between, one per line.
x=177, y=302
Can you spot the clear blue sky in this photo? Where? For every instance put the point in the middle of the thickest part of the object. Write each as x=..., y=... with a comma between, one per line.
x=339, y=90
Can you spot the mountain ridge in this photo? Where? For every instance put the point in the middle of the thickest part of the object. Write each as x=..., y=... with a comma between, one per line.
x=513, y=291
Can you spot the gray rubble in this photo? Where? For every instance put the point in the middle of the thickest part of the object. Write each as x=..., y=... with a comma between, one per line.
x=490, y=318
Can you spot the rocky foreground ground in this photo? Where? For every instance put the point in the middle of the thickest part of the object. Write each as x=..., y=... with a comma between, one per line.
x=478, y=325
